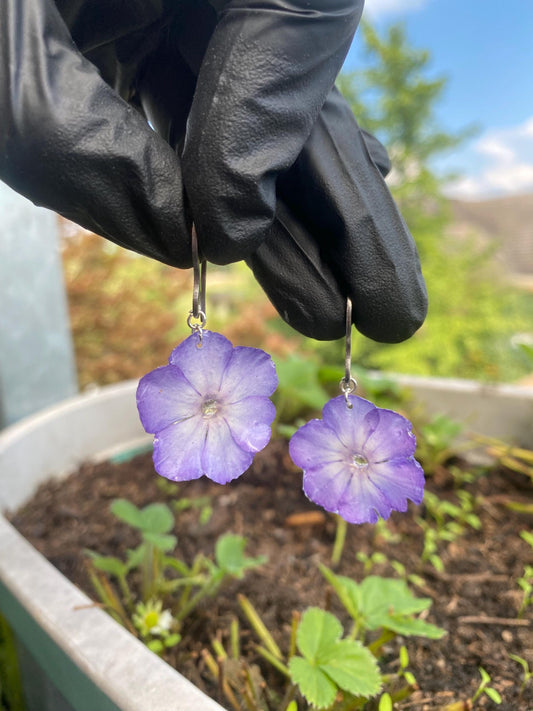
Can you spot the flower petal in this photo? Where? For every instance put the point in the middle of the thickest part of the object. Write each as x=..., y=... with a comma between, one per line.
x=399, y=480
x=250, y=371
x=249, y=421
x=164, y=396
x=352, y=426
x=222, y=458
x=178, y=449
x=325, y=485
x=392, y=438
x=338, y=488
x=362, y=501
x=203, y=367
x=315, y=444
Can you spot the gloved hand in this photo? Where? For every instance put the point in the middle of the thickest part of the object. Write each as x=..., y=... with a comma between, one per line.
x=251, y=143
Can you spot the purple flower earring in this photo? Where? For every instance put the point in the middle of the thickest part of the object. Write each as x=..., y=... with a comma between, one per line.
x=209, y=408
x=358, y=459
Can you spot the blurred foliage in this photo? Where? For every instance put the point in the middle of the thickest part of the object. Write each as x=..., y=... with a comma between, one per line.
x=127, y=312
x=473, y=311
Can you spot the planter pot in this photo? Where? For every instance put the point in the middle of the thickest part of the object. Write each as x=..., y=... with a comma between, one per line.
x=77, y=657
x=74, y=657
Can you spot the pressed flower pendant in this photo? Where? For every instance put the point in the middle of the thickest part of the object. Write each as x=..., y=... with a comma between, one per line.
x=358, y=459
x=209, y=408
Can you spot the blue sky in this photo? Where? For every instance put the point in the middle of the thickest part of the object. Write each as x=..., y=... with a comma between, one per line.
x=485, y=49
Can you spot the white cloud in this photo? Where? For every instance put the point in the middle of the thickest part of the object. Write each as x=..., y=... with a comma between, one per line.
x=380, y=8
x=501, y=164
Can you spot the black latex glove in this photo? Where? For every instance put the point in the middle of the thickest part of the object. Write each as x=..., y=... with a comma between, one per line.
x=275, y=169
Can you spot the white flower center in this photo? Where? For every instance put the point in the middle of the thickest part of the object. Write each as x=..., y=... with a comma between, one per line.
x=209, y=407
x=359, y=461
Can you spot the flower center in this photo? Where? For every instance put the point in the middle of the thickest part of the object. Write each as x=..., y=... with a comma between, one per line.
x=151, y=619
x=359, y=461
x=209, y=407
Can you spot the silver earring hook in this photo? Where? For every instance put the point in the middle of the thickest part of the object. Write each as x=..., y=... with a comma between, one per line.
x=197, y=313
x=347, y=383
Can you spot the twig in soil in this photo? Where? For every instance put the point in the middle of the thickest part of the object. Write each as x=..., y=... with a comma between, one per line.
x=482, y=620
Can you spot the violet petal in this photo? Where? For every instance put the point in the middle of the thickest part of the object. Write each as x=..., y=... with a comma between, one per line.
x=362, y=501
x=392, y=438
x=399, y=480
x=222, y=458
x=178, y=449
x=314, y=445
x=326, y=485
x=249, y=421
x=203, y=367
x=165, y=396
x=249, y=371
x=352, y=426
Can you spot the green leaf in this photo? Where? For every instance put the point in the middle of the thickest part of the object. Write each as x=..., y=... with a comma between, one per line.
x=135, y=557
x=317, y=688
x=162, y=541
x=385, y=703
x=346, y=663
x=485, y=676
x=347, y=590
x=382, y=597
x=109, y=564
x=383, y=603
x=127, y=512
x=413, y=627
x=155, y=646
x=172, y=640
x=317, y=632
x=404, y=657
x=299, y=382
x=229, y=555
x=527, y=537
x=156, y=518
x=493, y=695
x=352, y=667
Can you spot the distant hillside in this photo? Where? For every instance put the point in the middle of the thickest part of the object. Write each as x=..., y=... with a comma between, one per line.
x=508, y=221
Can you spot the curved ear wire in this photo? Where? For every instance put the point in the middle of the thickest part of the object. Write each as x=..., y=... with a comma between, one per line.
x=348, y=384
x=198, y=291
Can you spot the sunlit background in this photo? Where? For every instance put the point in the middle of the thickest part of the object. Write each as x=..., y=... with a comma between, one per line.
x=444, y=85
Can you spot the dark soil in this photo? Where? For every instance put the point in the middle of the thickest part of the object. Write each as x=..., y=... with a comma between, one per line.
x=476, y=599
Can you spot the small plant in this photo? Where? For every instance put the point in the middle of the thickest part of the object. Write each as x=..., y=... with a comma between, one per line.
x=528, y=673
x=525, y=582
x=484, y=688
x=169, y=589
x=323, y=667
x=445, y=521
x=383, y=604
x=437, y=442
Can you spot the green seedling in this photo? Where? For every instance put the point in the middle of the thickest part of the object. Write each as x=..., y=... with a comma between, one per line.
x=436, y=442
x=525, y=582
x=328, y=663
x=528, y=673
x=484, y=688
x=384, y=604
x=325, y=669
x=445, y=521
x=369, y=561
x=169, y=588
